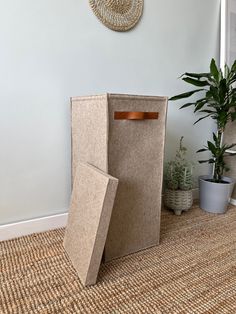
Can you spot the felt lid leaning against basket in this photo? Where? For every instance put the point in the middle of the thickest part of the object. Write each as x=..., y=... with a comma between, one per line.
x=119, y=15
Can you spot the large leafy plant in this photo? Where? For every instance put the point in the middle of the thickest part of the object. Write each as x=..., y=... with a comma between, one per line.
x=218, y=102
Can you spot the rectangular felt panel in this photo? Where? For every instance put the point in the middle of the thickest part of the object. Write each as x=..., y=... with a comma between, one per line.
x=131, y=150
x=230, y=138
x=135, y=156
x=89, y=217
x=89, y=131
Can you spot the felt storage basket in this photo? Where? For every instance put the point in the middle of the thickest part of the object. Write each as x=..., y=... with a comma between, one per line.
x=230, y=138
x=123, y=135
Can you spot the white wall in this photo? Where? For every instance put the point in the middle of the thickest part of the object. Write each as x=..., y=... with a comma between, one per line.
x=53, y=49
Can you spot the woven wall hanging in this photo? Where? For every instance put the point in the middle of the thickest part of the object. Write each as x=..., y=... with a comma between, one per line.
x=118, y=15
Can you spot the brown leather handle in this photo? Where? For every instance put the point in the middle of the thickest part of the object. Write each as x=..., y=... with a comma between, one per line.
x=135, y=115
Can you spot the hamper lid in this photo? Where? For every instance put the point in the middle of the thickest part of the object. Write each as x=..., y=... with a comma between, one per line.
x=88, y=220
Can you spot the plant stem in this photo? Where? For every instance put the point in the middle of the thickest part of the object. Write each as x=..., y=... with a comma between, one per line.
x=217, y=170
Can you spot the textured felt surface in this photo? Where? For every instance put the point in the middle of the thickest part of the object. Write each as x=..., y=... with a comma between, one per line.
x=131, y=151
x=89, y=216
x=89, y=131
x=229, y=138
x=135, y=156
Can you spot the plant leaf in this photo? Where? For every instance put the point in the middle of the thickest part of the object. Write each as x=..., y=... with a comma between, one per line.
x=202, y=118
x=222, y=90
x=214, y=70
x=197, y=75
x=215, y=137
x=210, y=161
x=185, y=95
x=207, y=111
x=213, y=93
x=187, y=105
x=211, y=147
x=230, y=146
x=195, y=82
x=233, y=68
x=199, y=106
x=227, y=70
x=202, y=150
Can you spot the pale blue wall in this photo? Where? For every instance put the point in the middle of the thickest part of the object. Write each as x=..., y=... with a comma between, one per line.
x=54, y=49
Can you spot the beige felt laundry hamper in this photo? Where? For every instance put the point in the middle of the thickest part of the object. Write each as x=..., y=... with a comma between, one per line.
x=230, y=138
x=123, y=135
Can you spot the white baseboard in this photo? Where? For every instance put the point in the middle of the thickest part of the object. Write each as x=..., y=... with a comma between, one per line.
x=22, y=228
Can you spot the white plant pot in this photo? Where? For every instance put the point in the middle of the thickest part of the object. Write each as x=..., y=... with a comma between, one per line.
x=178, y=200
x=215, y=197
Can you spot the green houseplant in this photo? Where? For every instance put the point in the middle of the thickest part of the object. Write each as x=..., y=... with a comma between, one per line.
x=218, y=102
x=178, y=182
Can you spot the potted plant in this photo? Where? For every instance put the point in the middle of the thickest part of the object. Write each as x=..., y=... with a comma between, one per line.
x=218, y=102
x=178, y=182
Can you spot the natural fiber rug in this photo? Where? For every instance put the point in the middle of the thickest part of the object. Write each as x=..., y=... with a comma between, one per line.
x=192, y=271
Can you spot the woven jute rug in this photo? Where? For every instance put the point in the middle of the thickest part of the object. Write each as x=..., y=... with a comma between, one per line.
x=192, y=271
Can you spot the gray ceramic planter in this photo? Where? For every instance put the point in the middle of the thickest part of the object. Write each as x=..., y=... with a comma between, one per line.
x=214, y=197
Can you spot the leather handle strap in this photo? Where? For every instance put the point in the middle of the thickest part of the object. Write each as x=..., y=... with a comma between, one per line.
x=135, y=115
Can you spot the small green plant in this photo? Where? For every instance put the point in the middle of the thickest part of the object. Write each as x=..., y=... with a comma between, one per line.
x=218, y=103
x=178, y=174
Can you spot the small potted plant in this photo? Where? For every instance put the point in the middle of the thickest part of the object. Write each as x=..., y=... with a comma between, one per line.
x=218, y=101
x=178, y=182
